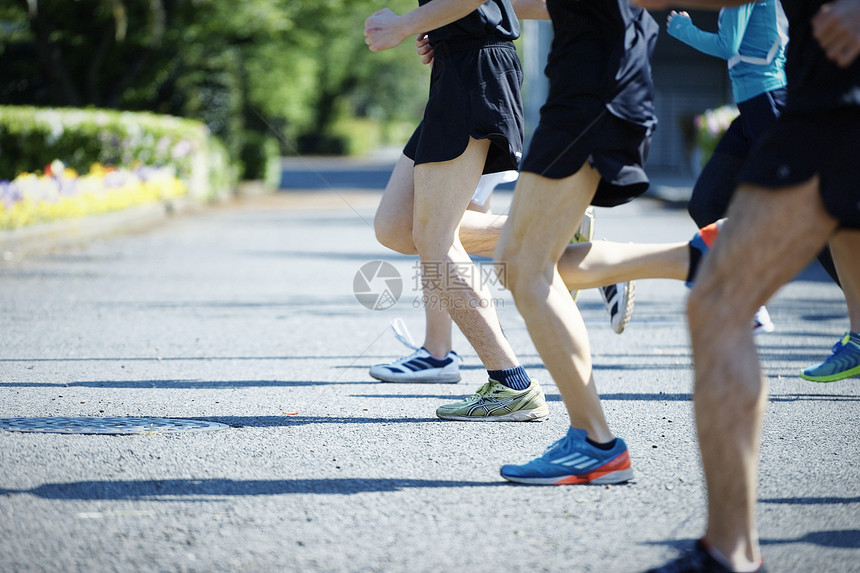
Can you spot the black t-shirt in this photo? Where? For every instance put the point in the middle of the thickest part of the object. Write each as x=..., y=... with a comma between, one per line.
x=814, y=81
x=601, y=53
x=492, y=19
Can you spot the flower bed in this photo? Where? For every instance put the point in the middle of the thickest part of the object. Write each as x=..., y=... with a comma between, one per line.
x=31, y=137
x=59, y=192
x=710, y=127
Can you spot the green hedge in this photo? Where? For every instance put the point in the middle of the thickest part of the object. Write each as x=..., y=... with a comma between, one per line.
x=31, y=138
x=261, y=159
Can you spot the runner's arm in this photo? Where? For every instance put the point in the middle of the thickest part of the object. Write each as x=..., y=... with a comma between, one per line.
x=724, y=44
x=836, y=26
x=702, y=4
x=385, y=29
x=837, y=29
x=531, y=9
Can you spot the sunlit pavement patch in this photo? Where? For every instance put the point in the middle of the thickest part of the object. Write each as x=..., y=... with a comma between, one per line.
x=94, y=425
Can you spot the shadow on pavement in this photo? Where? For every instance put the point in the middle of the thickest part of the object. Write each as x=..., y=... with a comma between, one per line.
x=170, y=489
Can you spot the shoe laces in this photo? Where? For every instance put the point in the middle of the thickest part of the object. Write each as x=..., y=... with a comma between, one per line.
x=560, y=444
x=843, y=343
x=418, y=353
x=401, y=333
x=847, y=340
x=485, y=389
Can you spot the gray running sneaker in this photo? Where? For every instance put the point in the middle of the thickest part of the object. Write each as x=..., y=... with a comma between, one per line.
x=494, y=402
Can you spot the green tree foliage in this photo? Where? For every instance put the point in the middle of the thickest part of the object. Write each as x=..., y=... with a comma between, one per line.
x=285, y=67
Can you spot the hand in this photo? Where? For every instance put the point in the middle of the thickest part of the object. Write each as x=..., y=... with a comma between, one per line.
x=382, y=31
x=424, y=49
x=837, y=29
x=672, y=14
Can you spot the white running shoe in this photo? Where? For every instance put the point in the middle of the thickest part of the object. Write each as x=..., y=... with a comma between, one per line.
x=420, y=366
x=619, y=299
x=762, y=323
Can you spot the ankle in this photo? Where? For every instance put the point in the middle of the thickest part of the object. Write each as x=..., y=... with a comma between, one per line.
x=744, y=566
x=440, y=352
x=515, y=378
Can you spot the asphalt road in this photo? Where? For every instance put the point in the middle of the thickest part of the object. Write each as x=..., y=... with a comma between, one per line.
x=245, y=315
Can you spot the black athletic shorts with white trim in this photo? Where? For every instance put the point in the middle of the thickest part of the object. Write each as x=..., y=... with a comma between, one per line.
x=474, y=92
x=803, y=144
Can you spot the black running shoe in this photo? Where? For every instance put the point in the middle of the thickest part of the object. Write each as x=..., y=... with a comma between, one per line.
x=698, y=560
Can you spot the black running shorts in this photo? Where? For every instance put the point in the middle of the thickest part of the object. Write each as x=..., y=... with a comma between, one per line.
x=801, y=145
x=474, y=92
x=757, y=114
x=567, y=137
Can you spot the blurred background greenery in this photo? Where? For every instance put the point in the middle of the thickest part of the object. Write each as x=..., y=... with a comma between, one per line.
x=254, y=71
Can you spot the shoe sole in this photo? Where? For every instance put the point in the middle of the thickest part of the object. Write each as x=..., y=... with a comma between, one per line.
x=616, y=470
x=533, y=415
x=627, y=311
x=615, y=477
x=436, y=380
x=763, y=328
x=833, y=377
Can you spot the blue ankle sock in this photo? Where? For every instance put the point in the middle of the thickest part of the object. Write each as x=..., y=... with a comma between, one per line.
x=514, y=378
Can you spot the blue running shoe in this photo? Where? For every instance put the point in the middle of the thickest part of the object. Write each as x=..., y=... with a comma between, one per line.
x=697, y=560
x=843, y=363
x=572, y=460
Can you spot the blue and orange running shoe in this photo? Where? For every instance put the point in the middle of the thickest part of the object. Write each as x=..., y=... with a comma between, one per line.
x=572, y=460
x=844, y=362
x=700, y=244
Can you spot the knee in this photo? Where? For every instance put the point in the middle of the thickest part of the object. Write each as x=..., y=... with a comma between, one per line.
x=698, y=307
x=432, y=244
x=722, y=401
x=710, y=305
x=394, y=234
x=502, y=257
x=423, y=240
x=516, y=269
